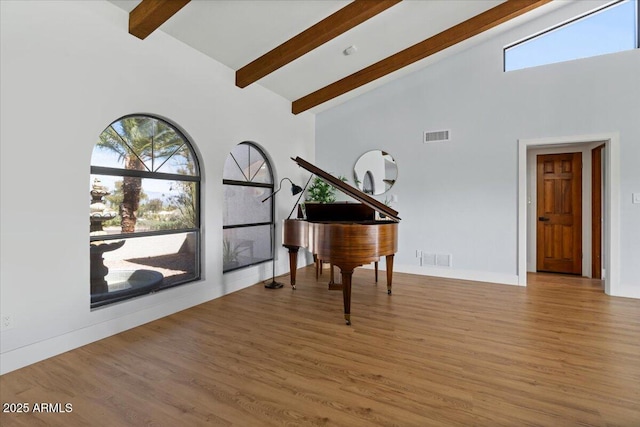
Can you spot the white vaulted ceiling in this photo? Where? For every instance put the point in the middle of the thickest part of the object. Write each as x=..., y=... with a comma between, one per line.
x=236, y=32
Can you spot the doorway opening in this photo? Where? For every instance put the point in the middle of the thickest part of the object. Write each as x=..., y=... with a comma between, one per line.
x=558, y=213
x=528, y=150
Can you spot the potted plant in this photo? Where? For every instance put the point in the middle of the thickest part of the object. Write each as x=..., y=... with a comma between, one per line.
x=229, y=255
x=320, y=192
x=387, y=202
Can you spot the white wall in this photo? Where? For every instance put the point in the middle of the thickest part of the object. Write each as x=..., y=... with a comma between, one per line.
x=461, y=197
x=70, y=68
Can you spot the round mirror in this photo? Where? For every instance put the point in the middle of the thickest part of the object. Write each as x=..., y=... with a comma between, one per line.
x=375, y=172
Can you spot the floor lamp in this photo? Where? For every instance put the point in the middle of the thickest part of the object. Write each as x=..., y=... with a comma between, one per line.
x=295, y=189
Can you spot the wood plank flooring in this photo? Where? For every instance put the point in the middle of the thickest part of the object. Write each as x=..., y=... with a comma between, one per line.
x=438, y=352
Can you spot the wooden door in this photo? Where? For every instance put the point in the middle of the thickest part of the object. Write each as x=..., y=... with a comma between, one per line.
x=559, y=200
x=596, y=212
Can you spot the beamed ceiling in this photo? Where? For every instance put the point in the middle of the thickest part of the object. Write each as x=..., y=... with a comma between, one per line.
x=295, y=47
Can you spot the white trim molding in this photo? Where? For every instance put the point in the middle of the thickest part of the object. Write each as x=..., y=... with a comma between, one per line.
x=611, y=202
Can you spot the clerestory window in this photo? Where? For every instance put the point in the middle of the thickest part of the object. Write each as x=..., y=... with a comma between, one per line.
x=144, y=210
x=613, y=28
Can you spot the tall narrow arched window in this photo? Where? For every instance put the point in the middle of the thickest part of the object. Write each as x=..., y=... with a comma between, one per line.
x=145, y=210
x=369, y=185
x=247, y=221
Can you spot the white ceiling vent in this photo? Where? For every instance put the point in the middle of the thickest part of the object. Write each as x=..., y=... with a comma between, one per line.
x=437, y=136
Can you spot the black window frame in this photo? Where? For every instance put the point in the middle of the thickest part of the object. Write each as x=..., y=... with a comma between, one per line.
x=196, y=178
x=249, y=183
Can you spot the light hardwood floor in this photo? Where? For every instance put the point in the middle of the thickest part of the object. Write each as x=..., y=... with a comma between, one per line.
x=437, y=352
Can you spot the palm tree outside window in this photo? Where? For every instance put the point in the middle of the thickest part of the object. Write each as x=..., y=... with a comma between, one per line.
x=145, y=224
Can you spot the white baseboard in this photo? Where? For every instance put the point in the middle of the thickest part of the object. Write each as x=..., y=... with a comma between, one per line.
x=32, y=353
x=23, y=356
x=450, y=273
x=627, y=291
x=27, y=355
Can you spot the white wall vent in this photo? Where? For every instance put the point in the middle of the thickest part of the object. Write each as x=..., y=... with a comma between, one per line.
x=443, y=260
x=428, y=259
x=437, y=136
x=435, y=260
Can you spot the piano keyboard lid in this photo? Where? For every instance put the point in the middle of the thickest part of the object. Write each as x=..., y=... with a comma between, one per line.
x=378, y=206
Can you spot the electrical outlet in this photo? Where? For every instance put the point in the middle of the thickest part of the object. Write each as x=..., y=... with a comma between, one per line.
x=7, y=322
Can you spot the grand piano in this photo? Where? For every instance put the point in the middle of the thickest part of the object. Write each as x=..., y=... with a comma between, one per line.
x=346, y=235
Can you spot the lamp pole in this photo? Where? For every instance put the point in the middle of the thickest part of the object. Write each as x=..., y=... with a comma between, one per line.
x=295, y=189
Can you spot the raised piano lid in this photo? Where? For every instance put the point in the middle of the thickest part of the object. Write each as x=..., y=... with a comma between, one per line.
x=378, y=206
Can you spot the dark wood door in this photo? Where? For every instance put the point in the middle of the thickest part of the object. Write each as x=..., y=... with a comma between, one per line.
x=596, y=212
x=559, y=200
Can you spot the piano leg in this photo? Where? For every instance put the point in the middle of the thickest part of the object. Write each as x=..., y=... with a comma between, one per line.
x=389, y=259
x=293, y=263
x=346, y=293
x=331, y=281
x=333, y=286
x=376, y=268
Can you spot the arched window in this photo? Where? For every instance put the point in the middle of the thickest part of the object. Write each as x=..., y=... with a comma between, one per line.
x=145, y=210
x=247, y=221
x=369, y=186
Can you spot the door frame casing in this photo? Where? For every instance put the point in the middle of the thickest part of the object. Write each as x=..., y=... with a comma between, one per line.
x=611, y=231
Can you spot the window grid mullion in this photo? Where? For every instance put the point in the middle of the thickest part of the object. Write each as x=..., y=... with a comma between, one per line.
x=155, y=266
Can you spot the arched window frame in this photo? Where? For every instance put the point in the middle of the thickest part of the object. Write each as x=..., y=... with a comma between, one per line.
x=263, y=189
x=192, y=231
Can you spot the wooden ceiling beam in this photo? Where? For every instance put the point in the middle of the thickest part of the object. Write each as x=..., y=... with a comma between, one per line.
x=456, y=34
x=332, y=26
x=150, y=14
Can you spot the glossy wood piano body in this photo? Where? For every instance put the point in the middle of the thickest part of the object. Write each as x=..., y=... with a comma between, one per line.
x=343, y=235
